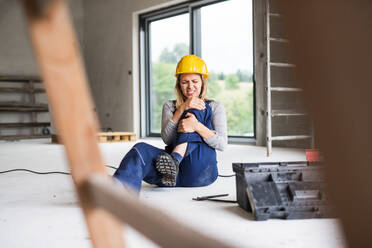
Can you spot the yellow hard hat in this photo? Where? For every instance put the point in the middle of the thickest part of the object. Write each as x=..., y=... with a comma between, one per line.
x=192, y=64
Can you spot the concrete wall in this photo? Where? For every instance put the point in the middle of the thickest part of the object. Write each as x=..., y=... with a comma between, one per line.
x=17, y=58
x=110, y=33
x=15, y=49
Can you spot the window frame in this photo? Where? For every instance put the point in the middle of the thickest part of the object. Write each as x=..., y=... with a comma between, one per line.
x=193, y=8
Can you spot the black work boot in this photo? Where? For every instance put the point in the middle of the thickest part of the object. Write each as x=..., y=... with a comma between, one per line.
x=167, y=166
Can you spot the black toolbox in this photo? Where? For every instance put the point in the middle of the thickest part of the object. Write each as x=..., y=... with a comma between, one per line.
x=284, y=190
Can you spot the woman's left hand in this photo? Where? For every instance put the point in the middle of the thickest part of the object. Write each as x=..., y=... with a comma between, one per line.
x=188, y=125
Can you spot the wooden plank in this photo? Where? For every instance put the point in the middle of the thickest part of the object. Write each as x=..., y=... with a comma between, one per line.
x=275, y=15
x=279, y=40
x=116, y=136
x=19, y=137
x=57, y=52
x=288, y=112
x=114, y=133
x=277, y=64
x=104, y=137
x=151, y=222
x=22, y=109
x=259, y=29
x=291, y=137
x=25, y=124
x=20, y=90
x=286, y=89
x=20, y=79
x=22, y=104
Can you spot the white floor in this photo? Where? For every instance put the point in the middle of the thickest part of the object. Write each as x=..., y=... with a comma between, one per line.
x=42, y=210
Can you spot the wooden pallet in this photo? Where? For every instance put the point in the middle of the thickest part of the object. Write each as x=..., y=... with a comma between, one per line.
x=116, y=136
x=104, y=137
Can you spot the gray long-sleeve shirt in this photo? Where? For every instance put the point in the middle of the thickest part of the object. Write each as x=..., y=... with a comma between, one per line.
x=217, y=141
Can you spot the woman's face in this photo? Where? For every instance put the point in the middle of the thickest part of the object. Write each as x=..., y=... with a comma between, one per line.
x=191, y=84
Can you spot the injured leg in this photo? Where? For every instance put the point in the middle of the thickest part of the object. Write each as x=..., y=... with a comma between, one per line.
x=168, y=164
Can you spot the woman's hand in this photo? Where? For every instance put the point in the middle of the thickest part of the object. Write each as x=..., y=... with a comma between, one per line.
x=194, y=103
x=190, y=103
x=188, y=125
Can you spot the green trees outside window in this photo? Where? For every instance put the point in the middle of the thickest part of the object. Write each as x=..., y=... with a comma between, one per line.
x=235, y=91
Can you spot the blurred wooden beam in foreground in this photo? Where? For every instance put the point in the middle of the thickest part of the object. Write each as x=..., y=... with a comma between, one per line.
x=60, y=63
x=332, y=49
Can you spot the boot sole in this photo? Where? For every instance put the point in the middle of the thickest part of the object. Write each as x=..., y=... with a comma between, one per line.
x=168, y=168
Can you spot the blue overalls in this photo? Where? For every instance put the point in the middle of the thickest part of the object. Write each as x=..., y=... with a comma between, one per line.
x=198, y=167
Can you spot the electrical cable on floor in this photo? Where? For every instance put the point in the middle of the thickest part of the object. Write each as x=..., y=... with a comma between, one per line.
x=45, y=173
x=212, y=198
x=233, y=175
x=36, y=172
x=66, y=173
x=221, y=200
x=112, y=167
x=208, y=198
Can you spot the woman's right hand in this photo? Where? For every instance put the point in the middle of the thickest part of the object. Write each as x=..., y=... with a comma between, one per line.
x=194, y=103
x=190, y=103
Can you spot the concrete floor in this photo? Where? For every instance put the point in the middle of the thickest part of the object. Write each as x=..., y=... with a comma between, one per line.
x=42, y=210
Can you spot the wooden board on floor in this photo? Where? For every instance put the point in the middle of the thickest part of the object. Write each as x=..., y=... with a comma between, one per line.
x=104, y=137
x=116, y=136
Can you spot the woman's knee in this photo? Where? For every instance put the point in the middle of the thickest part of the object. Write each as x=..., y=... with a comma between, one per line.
x=197, y=113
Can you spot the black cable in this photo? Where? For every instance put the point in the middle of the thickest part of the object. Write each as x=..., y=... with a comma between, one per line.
x=233, y=175
x=212, y=198
x=45, y=173
x=36, y=172
x=112, y=167
x=66, y=173
x=221, y=200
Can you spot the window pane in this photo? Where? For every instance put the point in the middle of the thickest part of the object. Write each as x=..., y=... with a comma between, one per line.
x=227, y=48
x=169, y=41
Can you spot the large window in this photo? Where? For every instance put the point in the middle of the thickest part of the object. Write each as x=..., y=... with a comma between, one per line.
x=169, y=43
x=221, y=33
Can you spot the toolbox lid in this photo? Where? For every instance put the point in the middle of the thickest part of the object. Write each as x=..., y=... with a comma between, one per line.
x=286, y=190
x=240, y=167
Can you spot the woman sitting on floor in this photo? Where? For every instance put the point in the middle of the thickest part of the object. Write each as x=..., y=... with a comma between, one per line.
x=193, y=127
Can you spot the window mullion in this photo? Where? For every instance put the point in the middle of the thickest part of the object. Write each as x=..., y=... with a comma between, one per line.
x=195, y=31
x=147, y=78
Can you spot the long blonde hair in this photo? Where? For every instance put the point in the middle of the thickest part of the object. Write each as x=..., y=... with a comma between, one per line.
x=180, y=98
